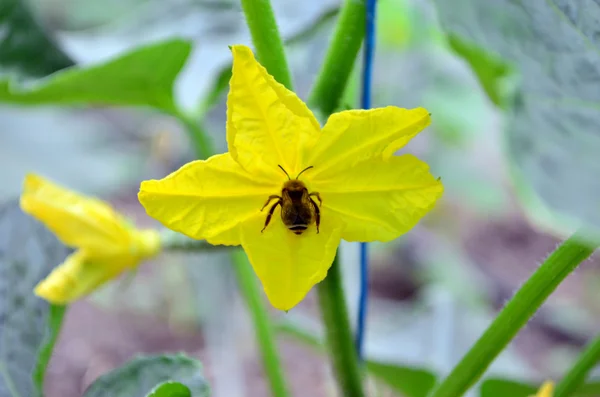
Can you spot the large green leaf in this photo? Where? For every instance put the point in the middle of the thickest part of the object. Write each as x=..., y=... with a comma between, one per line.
x=142, y=77
x=171, y=389
x=141, y=375
x=28, y=328
x=25, y=49
x=553, y=118
x=409, y=381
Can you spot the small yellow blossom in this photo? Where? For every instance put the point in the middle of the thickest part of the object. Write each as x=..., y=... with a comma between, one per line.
x=547, y=390
x=351, y=185
x=107, y=244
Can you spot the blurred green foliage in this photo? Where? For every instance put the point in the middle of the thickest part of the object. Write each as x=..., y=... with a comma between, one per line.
x=552, y=117
x=25, y=48
x=142, y=77
x=28, y=324
x=140, y=376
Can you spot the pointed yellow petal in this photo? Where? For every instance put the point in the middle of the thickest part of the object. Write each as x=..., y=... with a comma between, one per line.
x=353, y=136
x=380, y=199
x=547, y=390
x=206, y=199
x=267, y=124
x=289, y=265
x=76, y=277
x=77, y=220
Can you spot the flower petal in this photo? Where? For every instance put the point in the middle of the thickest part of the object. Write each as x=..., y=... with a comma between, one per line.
x=287, y=264
x=354, y=136
x=206, y=199
x=267, y=124
x=77, y=220
x=380, y=199
x=77, y=276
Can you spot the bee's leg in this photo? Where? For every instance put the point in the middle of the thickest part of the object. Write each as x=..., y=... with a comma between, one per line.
x=317, y=213
x=270, y=214
x=318, y=196
x=271, y=197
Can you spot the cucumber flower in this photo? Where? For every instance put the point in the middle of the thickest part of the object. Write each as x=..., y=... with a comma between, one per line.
x=106, y=243
x=288, y=190
x=547, y=390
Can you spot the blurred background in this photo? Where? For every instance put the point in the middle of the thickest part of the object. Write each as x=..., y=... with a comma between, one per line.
x=433, y=291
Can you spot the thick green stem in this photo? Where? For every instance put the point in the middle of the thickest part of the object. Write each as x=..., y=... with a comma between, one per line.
x=515, y=315
x=576, y=376
x=266, y=39
x=265, y=332
x=339, y=333
x=337, y=67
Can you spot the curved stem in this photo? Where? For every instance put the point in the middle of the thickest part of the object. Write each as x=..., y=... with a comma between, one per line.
x=265, y=332
x=339, y=61
x=203, y=145
x=339, y=333
x=576, y=376
x=266, y=39
x=515, y=315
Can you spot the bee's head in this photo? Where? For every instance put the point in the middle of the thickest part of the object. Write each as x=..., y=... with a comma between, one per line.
x=294, y=186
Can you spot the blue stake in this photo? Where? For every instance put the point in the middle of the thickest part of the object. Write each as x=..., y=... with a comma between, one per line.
x=365, y=103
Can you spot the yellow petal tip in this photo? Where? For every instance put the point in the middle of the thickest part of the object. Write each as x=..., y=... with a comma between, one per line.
x=44, y=291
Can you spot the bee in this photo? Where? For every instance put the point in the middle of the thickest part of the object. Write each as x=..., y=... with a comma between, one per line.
x=298, y=209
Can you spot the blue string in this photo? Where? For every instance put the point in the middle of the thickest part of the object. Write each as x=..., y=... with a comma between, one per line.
x=365, y=103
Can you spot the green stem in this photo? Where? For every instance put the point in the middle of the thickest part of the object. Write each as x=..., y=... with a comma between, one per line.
x=263, y=327
x=339, y=61
x=515, y=315
x=576, y=376
x=203, y=146
x=339, y=332
x=266, y=39
x=55, y=320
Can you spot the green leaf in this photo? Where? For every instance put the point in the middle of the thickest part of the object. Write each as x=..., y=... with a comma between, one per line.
x=497, y=387
x=410, y=382
x=28, y=325
x=491, y=70
x=138, y=377
x=552, y=127
x=142, y=77
x=503, y=388
x=591, y=389
x=170, y=389
x=25, y=49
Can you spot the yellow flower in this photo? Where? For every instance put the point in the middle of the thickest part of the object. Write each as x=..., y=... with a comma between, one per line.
x=107, y=244
x=355, y=188
x=547, y=390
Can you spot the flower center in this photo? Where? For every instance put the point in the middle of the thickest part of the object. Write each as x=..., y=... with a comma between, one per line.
x=298, y=209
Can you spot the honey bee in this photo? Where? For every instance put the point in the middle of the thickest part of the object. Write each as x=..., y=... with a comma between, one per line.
x=298, y=209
